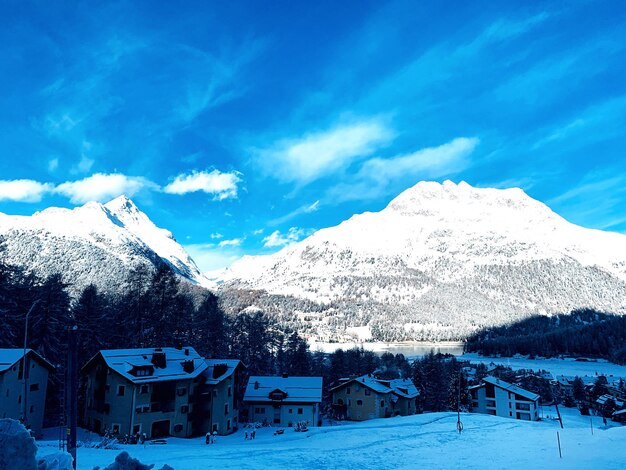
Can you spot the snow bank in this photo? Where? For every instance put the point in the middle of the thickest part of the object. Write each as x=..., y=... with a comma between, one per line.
x=125, y=462
x=17, y=447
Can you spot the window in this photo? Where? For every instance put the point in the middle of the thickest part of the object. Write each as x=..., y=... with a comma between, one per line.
x=230, y=392
x=228, y=424
x=357, y=388
x=181, y=392
x=522, y=406
x=136, y=428
x=116, y=429
x=359, y=402
x=382, y=404
x=34, y=387
x=142, y=409
x=300, y=411
x=368, y=392
x=491, y=403
x=144, y=389
x=214, y=393
x=106, y=408
x=19, y=399
x=7, y=392
x=290, y=410
x=32, y=408
x=259, y=410
x=121, y=389
x=226, y=408
x=348, y=391
x=178, y=428
x=184, y=409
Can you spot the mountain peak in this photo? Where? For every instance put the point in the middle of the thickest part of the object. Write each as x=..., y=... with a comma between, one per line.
x=122, y=204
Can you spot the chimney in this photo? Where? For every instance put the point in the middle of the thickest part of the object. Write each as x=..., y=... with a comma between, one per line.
x=158, y=358
x=186, y=351
x=188, y=366
x=256, y=385
x=285, y=375
x=179, y=344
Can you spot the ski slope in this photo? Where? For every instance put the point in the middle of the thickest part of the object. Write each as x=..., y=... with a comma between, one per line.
x=423, y=441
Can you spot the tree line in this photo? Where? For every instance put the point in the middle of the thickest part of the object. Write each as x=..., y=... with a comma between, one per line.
x=584, y=332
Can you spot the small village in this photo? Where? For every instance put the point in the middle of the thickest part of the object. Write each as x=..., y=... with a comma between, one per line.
x=149, y=394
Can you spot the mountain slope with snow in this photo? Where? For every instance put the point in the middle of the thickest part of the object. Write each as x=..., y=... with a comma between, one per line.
x=438, y=262
x=95, y=243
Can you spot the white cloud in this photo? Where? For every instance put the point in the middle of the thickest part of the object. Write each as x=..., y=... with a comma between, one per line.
x=258, y=231
x=221, y=185
x=23, y=190
x=315, y=155
x=103, y=187
x=276, y=239
x=378, y=176
x=233, y=242
x=306, y=209
x=216, y=235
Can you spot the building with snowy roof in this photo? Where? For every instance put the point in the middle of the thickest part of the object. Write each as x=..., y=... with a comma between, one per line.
x=367, y=397
x=24, y=395
x=283, y=401
x=496, y=397
x=159, y=392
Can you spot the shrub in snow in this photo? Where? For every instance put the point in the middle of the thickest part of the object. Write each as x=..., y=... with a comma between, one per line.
x=125, y=462
x=17, y=447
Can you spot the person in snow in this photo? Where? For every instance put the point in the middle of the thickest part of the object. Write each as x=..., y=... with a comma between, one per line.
x=253, y=434
x=214, y=437
x=207, y=438
x=246, y=435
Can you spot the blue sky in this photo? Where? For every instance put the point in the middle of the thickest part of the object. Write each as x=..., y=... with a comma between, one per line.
x=244, y=126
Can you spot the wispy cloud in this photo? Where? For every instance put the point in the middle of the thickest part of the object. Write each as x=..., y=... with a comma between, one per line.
x=596, y=201
x=23, y=190
x=233, y=242
x=305, y=209
x=312, y=156
x=379, y=176
x=102, y=187
x=220, y=185
x=278, y=239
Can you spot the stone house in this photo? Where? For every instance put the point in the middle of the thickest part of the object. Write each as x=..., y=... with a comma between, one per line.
x=284, y=401
x=367, y=397
x=21, y=392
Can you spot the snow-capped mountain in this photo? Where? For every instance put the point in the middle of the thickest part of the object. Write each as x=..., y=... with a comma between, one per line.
x=95, y=243
x=438, y=262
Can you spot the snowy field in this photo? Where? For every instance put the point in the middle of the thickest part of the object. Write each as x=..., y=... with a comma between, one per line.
x=566, y=366
x=423, y=441
x=410, y=349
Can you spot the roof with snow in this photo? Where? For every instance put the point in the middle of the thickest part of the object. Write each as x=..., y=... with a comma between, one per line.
x=284, y=389
x=145, y=365
x=401, y=387
x=606, y=397
x=511, y=388
x=9, y=357
x=220, y=369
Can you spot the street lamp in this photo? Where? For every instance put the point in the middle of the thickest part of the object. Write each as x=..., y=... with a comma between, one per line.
x=24, y=365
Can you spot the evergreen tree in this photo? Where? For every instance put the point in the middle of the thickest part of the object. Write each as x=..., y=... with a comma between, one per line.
x=210, y=328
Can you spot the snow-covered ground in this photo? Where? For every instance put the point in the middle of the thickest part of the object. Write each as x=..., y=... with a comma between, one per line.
x=423, y=441
x=567, y=366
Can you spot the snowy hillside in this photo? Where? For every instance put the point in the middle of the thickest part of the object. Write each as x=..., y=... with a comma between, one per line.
x=439, y=261
x=422, y=441
x=95, y=243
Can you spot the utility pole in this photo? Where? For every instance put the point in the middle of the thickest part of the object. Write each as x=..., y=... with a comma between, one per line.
x=73, y=404
x=25, y=366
